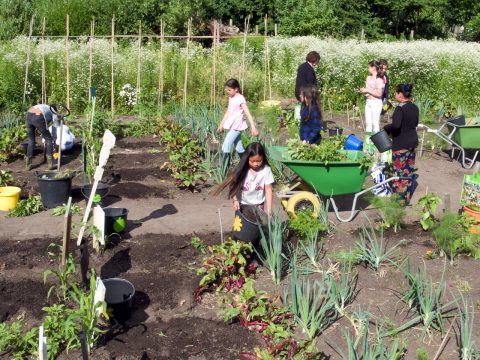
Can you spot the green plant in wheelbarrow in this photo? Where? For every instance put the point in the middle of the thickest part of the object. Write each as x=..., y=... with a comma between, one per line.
x=427, y=206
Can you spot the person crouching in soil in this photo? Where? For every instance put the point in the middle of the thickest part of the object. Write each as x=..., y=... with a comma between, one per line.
x=403, y=131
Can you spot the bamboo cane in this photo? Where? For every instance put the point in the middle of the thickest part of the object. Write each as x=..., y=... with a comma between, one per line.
x=27, y=63
x=160, y=70
x=189, y=29
x=214, y=66
x=139, y=61
x=112, y=94
x=265, y=62
x=245, y=34
x=90, y=60
x=44, y=87
x=67, y=53
x=269, y=77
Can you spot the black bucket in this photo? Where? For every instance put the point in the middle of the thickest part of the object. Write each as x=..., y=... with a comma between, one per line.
x=381, y=140
x=119, y=298
x=335, y=131
x=458, y=120
x=102, y=190
x=53, y=191
x=245, y=223
x=115, y=220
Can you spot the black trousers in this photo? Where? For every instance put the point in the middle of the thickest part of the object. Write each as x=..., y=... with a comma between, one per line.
x=33, y=122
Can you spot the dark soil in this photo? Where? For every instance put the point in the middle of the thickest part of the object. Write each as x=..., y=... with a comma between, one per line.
x=164, y=323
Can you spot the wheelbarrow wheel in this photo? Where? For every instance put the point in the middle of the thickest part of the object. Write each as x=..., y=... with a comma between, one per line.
x=302, y=201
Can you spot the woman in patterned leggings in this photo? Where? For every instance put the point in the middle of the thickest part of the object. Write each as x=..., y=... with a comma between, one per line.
x=403, y=130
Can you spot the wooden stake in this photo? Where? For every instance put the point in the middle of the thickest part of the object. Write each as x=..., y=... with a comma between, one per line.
x=67, y=53
x=348, y=116
x=112, y=94
x=256, y=29
x=189, y=30
x=245, y=34
x=67, y=228
x=446, y=203
x=265, y=61
x=139, y=61
x=44, y=82
x=214, y=66
x=90, y=60
x=27, y=63
x=276, y=29
x=59, y=160
x=160, y=70
x=421, y=144
x=269, y=77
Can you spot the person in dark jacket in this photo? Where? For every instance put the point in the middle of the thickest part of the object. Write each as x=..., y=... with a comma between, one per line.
x=305, y=76
x=403, y=131
x=311, y=117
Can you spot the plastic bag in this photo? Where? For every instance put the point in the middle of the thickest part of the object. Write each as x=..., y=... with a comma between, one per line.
x=378, y=176
x=471, y=190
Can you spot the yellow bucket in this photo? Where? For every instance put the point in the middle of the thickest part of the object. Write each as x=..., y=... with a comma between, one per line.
x=9, y=197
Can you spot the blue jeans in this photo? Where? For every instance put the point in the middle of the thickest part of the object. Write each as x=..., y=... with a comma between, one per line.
x=234, y=137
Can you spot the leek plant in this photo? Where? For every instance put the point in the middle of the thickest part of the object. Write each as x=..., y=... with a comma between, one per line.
x=362, y=346
x=313, y=250
x=468, y=349
x=426, y=300
x=310, y=302
x=272, y=256
x=371, y=250
x=342, y=291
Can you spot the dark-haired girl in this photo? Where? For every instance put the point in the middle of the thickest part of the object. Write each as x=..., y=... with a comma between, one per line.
x=234, y=121
x=251, y=181
x=311, y=117
x=403, y=131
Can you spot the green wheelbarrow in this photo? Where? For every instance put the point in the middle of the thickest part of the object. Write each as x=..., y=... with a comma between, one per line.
x=323, y=179
x=460, y=136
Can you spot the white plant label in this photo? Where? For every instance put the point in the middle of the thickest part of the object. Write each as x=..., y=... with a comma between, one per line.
x=42, y=345
x=99, y=223
x=99, y=296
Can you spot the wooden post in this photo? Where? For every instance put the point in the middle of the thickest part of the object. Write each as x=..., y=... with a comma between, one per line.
x=412, y=35
x=67, y=228
x=265, y=61
x=67, y=53
x=189, y=29
x=256, y=29
x=44, y=78
x=112, y=94
x=362, y=35
x=27, y=63
x=422, y=144
x=230, y=22
x=160, y=70
x=245, y=34
x=59, y=160
x=267, y=77
x=214, y=66
x=90, y=59
x=446, y=203
x=276, y=29
x=139, y=61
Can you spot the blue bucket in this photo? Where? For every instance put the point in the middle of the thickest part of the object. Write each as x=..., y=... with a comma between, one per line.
x=353, y=143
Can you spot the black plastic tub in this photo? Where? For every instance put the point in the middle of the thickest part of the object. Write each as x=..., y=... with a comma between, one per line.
x=102, y=190
x=382, y=141
x=115, y=220
x=335, y=131
x=54, y=191
x=119, y=298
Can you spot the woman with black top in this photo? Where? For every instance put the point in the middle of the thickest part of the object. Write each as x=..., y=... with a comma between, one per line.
x=403, y=131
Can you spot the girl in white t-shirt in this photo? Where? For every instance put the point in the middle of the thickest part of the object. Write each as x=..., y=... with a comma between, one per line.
x=251, y=181
x=234, y=121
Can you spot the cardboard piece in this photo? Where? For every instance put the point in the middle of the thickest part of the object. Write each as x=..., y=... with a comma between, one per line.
x=100, y=291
